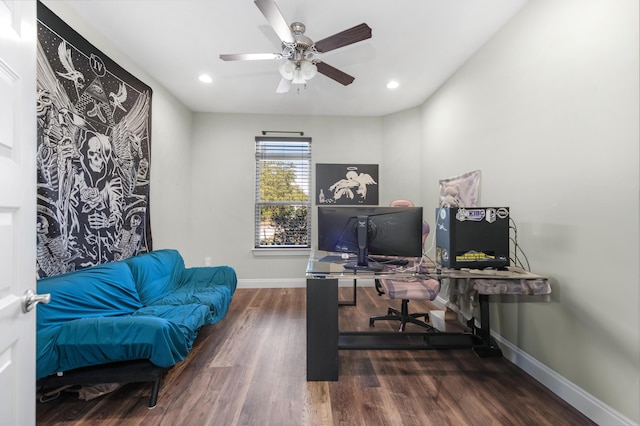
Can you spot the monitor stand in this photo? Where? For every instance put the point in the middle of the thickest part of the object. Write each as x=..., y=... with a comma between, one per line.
x=363, y=263
x=370, y=266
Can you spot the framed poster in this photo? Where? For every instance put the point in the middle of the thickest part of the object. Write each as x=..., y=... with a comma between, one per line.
x=347, y=184
x=94, y=151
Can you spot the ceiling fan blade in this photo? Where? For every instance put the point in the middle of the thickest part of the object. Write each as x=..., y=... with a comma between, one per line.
x=334, y=73
x=250, y=56
x=284, y=86
x=344, y=38
x=270, y=11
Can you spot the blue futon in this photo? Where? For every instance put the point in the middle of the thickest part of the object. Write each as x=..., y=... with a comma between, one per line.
x=148, y=307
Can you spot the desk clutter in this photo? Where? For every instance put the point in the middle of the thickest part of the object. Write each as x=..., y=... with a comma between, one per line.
x=461, y=290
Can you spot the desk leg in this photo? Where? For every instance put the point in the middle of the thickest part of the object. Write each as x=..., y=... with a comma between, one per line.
x=490, y=348
x=351, y=302
x=322, y=329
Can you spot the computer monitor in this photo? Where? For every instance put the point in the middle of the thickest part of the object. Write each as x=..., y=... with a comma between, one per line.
x=365, y=231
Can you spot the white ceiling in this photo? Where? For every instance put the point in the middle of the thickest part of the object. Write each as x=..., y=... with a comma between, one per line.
x=419, y=43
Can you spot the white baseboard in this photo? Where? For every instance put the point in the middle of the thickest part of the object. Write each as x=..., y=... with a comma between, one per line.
x=272, y=283
x=582, y=401
x=587, y=404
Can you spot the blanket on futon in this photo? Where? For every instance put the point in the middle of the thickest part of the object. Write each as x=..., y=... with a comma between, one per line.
x=147, y=307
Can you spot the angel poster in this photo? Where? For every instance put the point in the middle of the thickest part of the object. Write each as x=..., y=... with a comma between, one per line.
x=94, y=127
x=347, y=184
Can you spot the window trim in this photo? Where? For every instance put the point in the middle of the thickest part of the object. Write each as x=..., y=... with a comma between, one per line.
x=303, y=154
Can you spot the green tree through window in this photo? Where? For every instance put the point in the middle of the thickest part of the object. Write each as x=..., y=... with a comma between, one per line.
x=282, y=192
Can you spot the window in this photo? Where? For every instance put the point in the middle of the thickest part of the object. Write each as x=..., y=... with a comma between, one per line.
x=283, y=192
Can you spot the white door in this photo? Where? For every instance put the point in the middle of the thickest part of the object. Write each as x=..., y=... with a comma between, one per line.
x=17, y=209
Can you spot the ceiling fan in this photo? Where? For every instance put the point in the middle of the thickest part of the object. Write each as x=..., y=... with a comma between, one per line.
x=300, y=51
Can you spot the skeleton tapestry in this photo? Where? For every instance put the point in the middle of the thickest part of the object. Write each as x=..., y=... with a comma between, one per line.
x=94, y=124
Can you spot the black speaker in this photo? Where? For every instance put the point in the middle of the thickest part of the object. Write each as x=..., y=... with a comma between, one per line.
x=472, y=237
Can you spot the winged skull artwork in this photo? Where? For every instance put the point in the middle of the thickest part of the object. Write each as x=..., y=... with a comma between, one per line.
x=92, y=160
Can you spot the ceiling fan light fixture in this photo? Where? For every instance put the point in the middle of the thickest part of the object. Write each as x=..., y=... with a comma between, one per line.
x=309, y=70
x=298, y=77
x=298, y=73
x=287, y=69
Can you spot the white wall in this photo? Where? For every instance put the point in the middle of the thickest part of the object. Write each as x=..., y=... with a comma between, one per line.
x=171, y=191
x=401, y=161
x=548, y=111
x=223, y=164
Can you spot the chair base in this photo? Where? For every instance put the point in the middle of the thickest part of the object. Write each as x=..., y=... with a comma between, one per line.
x=404, y=317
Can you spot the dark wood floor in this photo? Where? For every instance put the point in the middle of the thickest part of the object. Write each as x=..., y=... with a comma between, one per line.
x=249, y=369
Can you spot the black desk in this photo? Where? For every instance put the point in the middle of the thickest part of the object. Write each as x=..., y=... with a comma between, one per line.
x=324, y=339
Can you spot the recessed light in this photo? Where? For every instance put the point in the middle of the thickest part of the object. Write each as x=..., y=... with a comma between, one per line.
x=205, y=78
x=393, y=84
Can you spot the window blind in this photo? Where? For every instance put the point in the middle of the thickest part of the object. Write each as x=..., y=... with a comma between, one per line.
x=283, y=192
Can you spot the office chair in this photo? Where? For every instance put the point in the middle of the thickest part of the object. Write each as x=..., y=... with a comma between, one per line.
x=407, y=289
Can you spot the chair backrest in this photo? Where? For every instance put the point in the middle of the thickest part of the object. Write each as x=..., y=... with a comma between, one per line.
x=425, y=225
x=402, y=203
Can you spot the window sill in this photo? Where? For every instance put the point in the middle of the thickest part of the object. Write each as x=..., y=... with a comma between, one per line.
x=266, y=252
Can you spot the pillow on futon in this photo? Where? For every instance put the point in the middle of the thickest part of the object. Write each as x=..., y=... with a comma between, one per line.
x=102, y=290
x=156, y=274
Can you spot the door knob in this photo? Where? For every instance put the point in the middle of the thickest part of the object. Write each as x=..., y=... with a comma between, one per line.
x=31, y=299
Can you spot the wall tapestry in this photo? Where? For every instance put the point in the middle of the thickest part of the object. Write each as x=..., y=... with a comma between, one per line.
x=347, y=184
x=460, y=191
x=94, y=128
